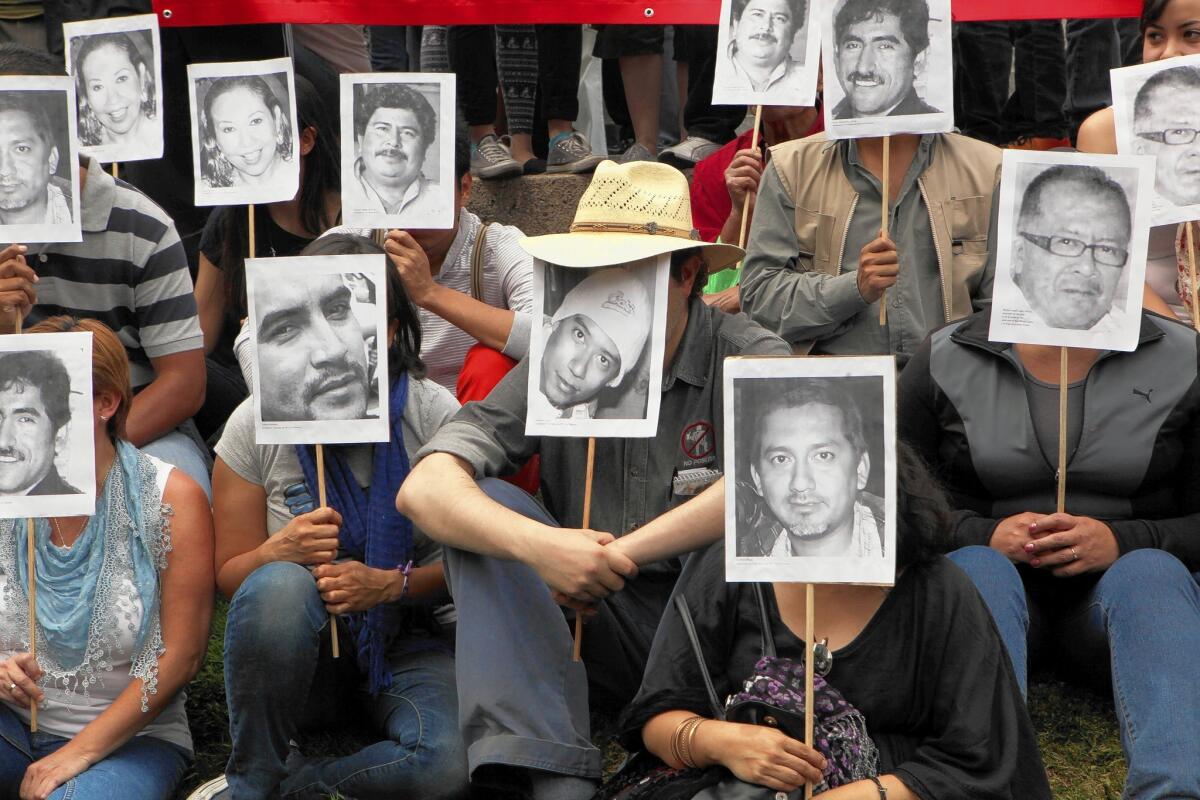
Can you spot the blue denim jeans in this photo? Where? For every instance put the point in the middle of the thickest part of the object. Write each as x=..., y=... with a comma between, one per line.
x=280, y=677
x=143, y=767
x=180, y=450
x=1136, y=627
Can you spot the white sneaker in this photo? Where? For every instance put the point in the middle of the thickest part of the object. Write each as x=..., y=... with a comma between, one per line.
x=216, y=789
x=688, y=153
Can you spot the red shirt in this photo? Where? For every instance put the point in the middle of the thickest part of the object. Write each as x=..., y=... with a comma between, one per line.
x=710, y=199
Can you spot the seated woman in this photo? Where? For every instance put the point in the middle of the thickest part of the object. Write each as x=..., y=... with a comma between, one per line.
x=921, y=661
x=124, y=599
x=275, y=560
x=282, y=229
x=1105, y=592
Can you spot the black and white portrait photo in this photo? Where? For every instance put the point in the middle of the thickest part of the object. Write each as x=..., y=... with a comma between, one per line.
x=767, y=53
x=1071, y=252
x=47, y=462
x=888, y=67
x=1156, y=108
x=398, y=150
x=244, y=135
x=811, y=496
x=39, y=183
x=117, y=66
x=318, y=337
x=595, y=364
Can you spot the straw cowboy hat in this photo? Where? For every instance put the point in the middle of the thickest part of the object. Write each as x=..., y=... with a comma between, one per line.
x=630, y=212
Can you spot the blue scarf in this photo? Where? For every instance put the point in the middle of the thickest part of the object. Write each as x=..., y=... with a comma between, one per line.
x=373, y=531
x=67, y=580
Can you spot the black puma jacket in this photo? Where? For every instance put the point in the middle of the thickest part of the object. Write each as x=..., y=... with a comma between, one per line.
x=963, y=406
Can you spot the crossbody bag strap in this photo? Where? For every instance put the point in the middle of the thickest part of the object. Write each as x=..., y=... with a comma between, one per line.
x=477, y=262
x=768, y=638
x=718, y=712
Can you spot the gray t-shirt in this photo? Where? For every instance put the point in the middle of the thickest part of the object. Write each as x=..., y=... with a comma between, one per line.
x=1043, y=408
x=275, y=467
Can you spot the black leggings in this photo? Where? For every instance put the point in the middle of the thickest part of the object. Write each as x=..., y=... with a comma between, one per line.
x=532, y=63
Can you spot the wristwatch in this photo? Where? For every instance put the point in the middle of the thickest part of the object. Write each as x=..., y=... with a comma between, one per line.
x=882, y=789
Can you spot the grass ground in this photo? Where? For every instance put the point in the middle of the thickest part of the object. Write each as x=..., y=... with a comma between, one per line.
x=1076, y=729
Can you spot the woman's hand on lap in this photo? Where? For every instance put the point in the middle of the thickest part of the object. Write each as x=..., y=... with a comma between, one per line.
x=44, y=776
x=353, y=586
x=1068, y=545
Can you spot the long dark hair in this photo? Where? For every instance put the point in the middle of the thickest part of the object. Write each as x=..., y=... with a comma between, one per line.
x=1151, y=11
x=404, y=355
x=923, y=516
x=321, y=175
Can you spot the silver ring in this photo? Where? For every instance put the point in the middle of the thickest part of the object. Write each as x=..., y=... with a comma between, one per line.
x=1074, y=554
x=11, y=686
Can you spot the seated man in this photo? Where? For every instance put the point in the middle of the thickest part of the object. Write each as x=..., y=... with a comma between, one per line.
x=817, y=267
x=290, y=570
x=591, y=346
x=807, y=495
x=35, y=410
x=524, y=704
x=1107, y=592
x=130, y=273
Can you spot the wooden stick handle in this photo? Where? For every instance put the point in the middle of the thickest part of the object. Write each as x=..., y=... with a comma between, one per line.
x=252, y=248
x=587, y=521
x=1062, y=428
x=1191, y=251
x=809, y=641
x=885, y=202
x=746, y=202
x=333, y=632
x=116, y=170
x=31, y=555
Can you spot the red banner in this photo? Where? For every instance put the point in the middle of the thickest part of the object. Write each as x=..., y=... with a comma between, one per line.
x=486, y=12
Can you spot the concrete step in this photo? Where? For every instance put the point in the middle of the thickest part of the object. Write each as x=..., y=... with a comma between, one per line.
x=537, y=204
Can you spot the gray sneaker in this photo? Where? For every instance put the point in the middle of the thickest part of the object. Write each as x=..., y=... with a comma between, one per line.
x=636, y=152
x=216, y=789
x=572, y=153
x=490, y=159
x=688, y=153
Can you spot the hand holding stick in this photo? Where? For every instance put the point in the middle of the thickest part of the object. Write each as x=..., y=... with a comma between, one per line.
x=747, y=203
x=333, y=631
x=587, y=521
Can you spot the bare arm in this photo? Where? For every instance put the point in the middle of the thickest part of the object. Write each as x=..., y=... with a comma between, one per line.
x=210, y=302
x=691, y=526
x=175, y=394
x=441, y=497
x=1098, y=133
x=1152, y=302
x=187, y=599
x=488, y=324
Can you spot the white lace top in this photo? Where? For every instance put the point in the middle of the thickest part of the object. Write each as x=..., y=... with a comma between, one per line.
x=66, y=711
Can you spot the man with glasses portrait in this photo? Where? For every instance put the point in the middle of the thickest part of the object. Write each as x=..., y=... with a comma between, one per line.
x=1166, y=114
x=1071, y=248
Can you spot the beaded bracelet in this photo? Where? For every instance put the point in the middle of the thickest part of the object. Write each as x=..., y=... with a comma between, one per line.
x=405, y=570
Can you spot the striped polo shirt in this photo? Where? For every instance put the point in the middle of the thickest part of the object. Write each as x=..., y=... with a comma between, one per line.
x=129, y=272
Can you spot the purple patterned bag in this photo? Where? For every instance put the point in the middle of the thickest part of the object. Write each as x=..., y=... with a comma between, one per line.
x=774, y=696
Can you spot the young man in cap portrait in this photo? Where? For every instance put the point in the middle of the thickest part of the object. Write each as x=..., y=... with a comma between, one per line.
x=593, y=342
